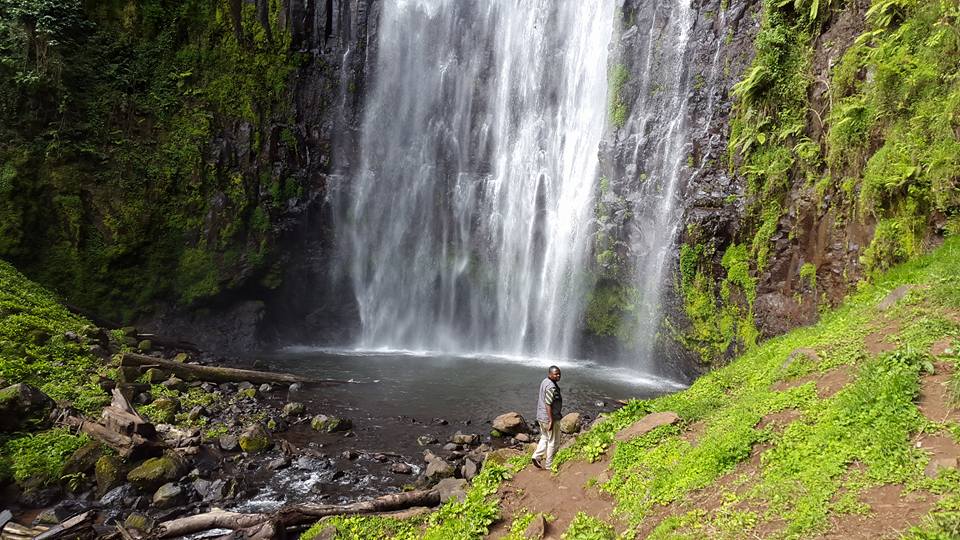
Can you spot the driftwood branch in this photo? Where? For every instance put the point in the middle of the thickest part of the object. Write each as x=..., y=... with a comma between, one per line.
x=267, y=525
x=220, y=374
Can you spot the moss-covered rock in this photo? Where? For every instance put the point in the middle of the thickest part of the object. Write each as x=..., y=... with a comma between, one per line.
x=255, y=439
x=156, y=375
x=23, y=406
x=164, y=409
x=330, y=424
x=109, y=473
x=154, y=472
x=138, y=522
x=84, y=459
x=145, y=345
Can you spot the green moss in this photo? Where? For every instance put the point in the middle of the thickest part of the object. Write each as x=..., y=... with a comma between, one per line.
x=808, y=275
x=619, y=111
x=612, y=311
x=39, y=457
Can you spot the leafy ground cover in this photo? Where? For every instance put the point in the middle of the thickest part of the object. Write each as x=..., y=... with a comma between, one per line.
x=849, y=424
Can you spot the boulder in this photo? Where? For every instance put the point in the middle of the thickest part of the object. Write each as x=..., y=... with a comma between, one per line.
x=522, y=437
x=165, y=409
x=228, y=442
x=424, y=440
x=145, y=345
x=169, y=495
x=255, y=439
x=452, y=488
x=570, y=423
x=155, y=472
x=647, y=424
x=330, y=424
x=537, y=528
x=501, y=456
x=293, y=408
x=437, y=469
x=23, y=407
x=109, y=473
x=470, y=468
x=175, y=383
x=152, y=376
x=463, y=438
x=401, y=468
x=510, y=423
x=84, y=459
x=181, y=358
x=265, y=388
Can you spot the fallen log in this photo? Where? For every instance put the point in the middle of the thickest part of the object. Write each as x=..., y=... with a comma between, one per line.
x=266, y=525
x=74, y=527
x=122, y=418
x=128, y=446
x=221, y=374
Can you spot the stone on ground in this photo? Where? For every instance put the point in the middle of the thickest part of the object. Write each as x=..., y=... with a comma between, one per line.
x=23, y=406
x=570, y=423
x=255, y=439
x=437, y=469
x=463, y=438
x=168, y=495
x=155, y=472
x=647, y=424
x=510, y=423
x=452, y=488
x=537, y=528
x=330, y=424
x=109, y=473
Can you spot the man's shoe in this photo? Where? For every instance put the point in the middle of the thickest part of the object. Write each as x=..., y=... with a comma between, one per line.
x=536, y=463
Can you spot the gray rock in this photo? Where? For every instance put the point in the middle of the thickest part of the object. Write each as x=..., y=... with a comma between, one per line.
x=437, y=469
x=401, y=468
x=570, y=423
x=522, y=437
x=244, y=385
x=117, y=495
x=155, y=472
x=279, y=463
x=470, y=468
x=265, y=388
x=452, y=488
x=169, y=495
x=463, y=438
x=537, y=528
x=510, y=423
x=424, y=440
x=228, y=442
x=451, y=447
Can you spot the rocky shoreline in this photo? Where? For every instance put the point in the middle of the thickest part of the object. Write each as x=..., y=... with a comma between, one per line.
x=236, y=446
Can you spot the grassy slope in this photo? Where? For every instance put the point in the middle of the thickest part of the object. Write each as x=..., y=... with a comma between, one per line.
x=34, y=350
x=838, y=446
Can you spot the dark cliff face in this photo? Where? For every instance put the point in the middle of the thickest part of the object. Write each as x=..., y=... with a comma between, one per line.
x=306, y=301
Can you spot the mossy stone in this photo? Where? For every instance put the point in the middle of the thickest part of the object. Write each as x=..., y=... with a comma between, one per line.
x=255, y=439
x=330, y=424
x=156, y=375
x=145, y=345
x=138, y=522
x=155, y=472
x=109, y=473
x=181, y=357
x=166, y=409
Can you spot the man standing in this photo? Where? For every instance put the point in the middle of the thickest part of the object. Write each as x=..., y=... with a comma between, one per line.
x=549, y=403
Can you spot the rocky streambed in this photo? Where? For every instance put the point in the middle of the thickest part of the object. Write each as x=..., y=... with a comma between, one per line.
x=243, y=447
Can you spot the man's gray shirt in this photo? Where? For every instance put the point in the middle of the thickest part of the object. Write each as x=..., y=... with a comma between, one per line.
x=549, y=395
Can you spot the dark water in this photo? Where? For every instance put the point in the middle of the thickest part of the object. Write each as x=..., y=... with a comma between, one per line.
x=399, y=396
x=425, y=386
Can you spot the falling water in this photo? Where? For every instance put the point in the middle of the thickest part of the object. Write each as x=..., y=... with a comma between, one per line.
x=467, y=221
x=658, y=156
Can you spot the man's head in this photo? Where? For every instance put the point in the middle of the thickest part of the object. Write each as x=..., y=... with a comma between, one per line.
x=553, y=373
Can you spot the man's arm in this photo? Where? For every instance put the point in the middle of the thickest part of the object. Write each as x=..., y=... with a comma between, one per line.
x=550, y=416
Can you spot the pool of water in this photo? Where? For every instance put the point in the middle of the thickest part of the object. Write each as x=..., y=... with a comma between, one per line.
x=426, y=385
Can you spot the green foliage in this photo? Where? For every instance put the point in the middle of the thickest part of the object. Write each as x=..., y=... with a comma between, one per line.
x=808, y=274
x=107, y=113
x=612, y=311
x=871, y=422
x=585, y=527
x=619, y=111
x=461, y=520
x=721, y=316
x=39, y=457
x=33, y=346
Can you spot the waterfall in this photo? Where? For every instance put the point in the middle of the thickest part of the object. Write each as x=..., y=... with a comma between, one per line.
x=467, y=218
x=655, y=147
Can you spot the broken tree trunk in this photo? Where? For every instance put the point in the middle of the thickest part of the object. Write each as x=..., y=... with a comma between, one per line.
x=122, y=418
x=220, y=374
x=128, y=446
x=263, y=525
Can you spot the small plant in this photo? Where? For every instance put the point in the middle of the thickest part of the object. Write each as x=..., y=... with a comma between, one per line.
x=594, y=450
x=584, y=527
